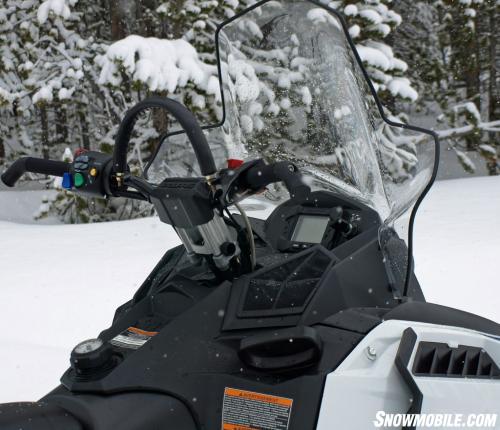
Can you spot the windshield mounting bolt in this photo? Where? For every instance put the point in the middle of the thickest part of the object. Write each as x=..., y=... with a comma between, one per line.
x=371, y=353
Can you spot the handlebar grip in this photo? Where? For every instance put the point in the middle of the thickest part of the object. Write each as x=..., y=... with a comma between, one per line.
x=33, y=165
x=293, y=180
x=262, y=175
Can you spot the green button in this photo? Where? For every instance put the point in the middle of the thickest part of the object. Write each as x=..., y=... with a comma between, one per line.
x=79, y=180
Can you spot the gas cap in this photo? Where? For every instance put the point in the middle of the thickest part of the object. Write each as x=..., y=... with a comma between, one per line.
x=91, y=355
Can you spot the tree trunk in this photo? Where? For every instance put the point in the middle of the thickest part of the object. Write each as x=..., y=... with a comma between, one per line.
x=117, y=30
x=494, y=101
x=62, y=125
x=123, y=15
x=493, y=96
x=145, y=17
x=161, y=124
x=2, y=151
x=472, y=75
x=44, y=121
x=84, y=126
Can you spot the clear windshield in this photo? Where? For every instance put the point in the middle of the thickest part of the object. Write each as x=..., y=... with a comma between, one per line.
x=293, y=90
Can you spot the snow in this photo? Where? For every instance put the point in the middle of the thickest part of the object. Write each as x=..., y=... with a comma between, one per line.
x=6, y=98
x=322, y=16
x=64, y=93
x=57, y=7
x=162, y=9
x=339, y=113
x=163, y=65
x=456, y=245
x=466, y=162
x=285, y=103
x=354, y=31
x=374, y=57
x=246, y=124
x=402, y=87
x=371, y=15
x=306, y=96
x=470, y=13
x=383, y=29
x=246, y=83
x=62, y=283
x=471, y=108
x=351, y=10
x=44, y=94
x=284, y=81
x=488, y=149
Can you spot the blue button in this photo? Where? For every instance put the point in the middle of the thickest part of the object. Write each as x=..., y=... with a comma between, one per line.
x=67, y=181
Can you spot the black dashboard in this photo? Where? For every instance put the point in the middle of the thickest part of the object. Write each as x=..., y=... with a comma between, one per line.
x=324, y=219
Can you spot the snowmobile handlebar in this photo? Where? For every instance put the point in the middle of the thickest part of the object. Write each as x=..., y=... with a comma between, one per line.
x=33, y=165
x=261, y=175
x=185, y=118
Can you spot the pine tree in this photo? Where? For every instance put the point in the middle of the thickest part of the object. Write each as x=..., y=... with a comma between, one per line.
x=453, y=57
x=372, y=24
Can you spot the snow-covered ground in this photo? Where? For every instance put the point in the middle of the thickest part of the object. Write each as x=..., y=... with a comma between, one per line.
x=60, y=284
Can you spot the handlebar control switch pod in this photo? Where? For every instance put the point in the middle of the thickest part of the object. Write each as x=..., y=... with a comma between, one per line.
x=90, y=174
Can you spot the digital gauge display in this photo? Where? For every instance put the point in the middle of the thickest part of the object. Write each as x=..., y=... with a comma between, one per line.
x=310, y=229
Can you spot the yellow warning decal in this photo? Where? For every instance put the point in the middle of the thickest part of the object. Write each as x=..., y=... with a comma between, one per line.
x=246, y=410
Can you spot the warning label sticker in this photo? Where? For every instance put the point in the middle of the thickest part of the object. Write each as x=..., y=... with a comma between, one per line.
x=132, y=338
x=246, y=410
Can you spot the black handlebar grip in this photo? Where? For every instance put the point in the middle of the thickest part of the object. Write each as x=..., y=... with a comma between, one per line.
x=33, y=165
x=293, y=180
x=262, y=175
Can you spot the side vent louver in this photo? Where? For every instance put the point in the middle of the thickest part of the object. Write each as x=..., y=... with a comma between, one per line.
x=439, y=359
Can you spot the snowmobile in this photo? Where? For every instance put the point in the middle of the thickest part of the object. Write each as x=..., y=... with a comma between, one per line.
x=307, y=315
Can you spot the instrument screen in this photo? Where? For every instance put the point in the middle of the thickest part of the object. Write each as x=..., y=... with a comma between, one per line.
x=310, y=228
x=325, y=219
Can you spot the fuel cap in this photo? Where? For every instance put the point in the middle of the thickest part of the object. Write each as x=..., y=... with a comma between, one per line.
x=91, y=355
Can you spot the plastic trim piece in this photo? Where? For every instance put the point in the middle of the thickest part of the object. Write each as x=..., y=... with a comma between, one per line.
x=405, y=350
x=283, y=349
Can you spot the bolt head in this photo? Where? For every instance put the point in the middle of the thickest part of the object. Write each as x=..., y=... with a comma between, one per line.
x=371, y=353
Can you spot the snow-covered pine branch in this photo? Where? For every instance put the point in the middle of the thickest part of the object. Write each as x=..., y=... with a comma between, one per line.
x=370, y=23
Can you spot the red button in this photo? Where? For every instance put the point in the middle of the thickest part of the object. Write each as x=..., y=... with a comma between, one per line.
x=80, y=151
x=233, y=163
